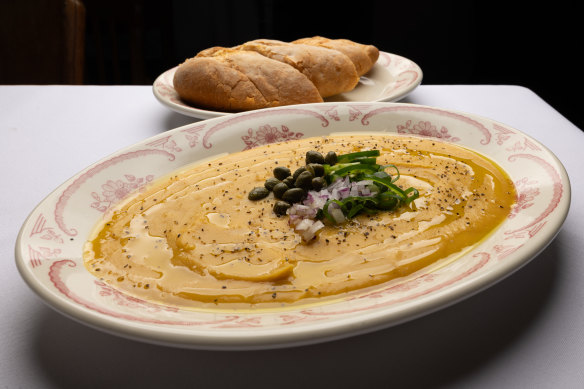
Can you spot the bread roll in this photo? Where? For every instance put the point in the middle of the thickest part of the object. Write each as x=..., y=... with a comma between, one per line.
x=237, y=80
x=331, y=71
x=267, y=73
x=362, y=56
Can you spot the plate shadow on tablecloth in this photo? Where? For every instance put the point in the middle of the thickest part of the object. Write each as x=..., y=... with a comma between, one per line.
x=173, y=120
x=438, y=349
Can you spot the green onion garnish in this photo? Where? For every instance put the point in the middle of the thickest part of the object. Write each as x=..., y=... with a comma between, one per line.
x=384, y=194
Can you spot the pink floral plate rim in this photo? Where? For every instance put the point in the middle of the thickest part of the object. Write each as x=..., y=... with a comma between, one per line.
x=50, y=242
x=394, y=77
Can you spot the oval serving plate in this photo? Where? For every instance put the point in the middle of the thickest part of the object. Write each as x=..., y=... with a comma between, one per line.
x=49, y=246
x=391, y=78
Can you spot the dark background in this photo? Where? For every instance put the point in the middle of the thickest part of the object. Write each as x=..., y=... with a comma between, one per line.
x=454, y=42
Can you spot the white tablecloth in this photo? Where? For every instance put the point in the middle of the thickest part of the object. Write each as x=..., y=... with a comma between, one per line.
x=525, y=332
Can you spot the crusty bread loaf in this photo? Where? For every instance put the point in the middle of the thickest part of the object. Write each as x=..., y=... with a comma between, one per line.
x=331, y=71
x=362, y=56
x=236, y=80
x=268, y=73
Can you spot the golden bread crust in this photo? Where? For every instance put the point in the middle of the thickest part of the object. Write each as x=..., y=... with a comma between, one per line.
x=233, y=80
x=331, y=71
x=210, y=83
x=362, y=56
x=267, y=73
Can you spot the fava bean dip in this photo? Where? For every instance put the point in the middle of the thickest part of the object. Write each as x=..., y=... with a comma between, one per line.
x=194, y=239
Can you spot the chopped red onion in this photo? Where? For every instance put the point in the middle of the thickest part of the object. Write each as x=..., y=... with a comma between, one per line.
x=337, y=213
x=304, y=225
x=310, y=233
x=302, y=216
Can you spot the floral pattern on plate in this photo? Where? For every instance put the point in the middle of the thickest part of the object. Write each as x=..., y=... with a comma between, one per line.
x=50, y=244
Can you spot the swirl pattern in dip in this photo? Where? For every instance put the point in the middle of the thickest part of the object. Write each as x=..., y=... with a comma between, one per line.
x=194, y=240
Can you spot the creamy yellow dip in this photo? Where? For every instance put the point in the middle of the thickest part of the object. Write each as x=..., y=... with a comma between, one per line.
x=195, y=240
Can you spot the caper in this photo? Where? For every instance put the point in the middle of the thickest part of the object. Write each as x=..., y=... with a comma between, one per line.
x=289, y=181
x=258, y=193
x=387, y=201
x=298, y=171
x=281, y=172
x=314, y=157
x=294, y=195
x=279, y=189
x=316, y=168
x=281, y=207
x=318, y=183
x=331, y=158
x=271, y=182
x=304, y=180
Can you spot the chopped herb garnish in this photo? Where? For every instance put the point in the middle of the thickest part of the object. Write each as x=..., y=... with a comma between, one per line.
x=335, y=188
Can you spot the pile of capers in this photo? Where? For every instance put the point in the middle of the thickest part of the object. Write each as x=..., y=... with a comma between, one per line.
x=290, y=188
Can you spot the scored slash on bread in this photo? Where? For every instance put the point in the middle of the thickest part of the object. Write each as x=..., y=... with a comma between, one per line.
x=362, y=56
x=267, y=73
x=331, y=71
x=234, y=80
